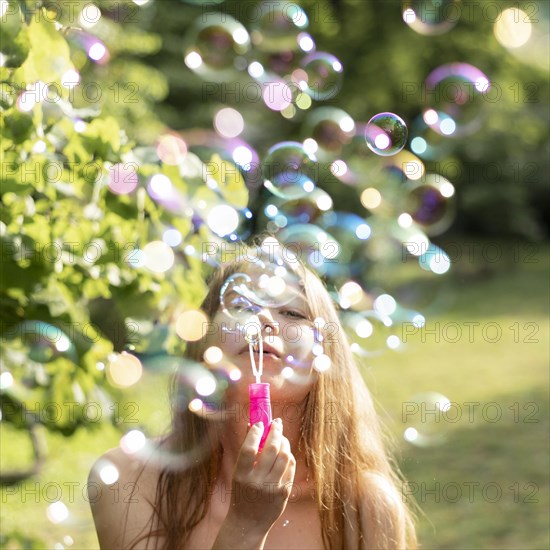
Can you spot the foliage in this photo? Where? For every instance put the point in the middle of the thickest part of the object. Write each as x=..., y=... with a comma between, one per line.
x=74, y=287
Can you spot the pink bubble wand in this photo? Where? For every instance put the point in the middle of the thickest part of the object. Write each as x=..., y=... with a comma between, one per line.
x=260, y=401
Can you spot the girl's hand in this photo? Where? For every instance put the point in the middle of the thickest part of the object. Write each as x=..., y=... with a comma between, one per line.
x=262, y=481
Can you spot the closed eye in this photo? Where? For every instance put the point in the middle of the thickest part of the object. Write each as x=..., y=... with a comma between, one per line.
x=293, y=314
x=241, y=304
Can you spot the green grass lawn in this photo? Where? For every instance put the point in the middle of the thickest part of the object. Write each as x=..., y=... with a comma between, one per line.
x=483, y=483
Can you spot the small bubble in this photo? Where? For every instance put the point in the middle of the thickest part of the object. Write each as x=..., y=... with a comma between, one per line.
x=386, y=134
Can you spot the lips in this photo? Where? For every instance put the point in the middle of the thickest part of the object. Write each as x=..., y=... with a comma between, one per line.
x=267, y=350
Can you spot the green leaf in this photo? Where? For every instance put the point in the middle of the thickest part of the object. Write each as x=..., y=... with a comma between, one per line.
x=17, y=127
x=102, y=138
x=230, y=181
x=16, y=50
x=11, y=22
x=49, y=57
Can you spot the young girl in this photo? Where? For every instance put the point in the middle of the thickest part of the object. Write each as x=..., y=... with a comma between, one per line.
x=323, y=478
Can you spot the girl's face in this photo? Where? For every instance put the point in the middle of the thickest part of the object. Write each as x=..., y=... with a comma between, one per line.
x=288, y=342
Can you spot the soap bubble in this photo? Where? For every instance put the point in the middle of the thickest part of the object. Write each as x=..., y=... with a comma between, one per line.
x=315, y=246
x=431, y=17
x=427, y=417
x=331, y=129
x=204, y=144
x=351, y=232
x=265, y=283
x=45, y=342
x=278, y=26
x=321, y=77
x=277, y=93
x=288, y=169
x=197, y=396
x=370, y=332
x=430, y=203
x=214, y=44
x=279, y=213
x=386, y=134
x=280, y=63
x=426, y=142
x=290, y=188
x=456, y=90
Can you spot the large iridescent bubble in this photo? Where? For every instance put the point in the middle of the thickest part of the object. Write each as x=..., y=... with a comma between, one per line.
x=288, y=170
x=278, y=26
x=304, y=209
x=430, y=203
x=455, y=97
x=214, y=44
x=351, y=232
x=427, y=417
x=321, y=76
x=199, y=390
x=431, y=17
x=371, y=333
x=315, y=246
x=268, y=279
x=426, y=142
x=327, y=130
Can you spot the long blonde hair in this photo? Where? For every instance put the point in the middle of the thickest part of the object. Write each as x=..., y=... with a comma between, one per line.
x=358, y=488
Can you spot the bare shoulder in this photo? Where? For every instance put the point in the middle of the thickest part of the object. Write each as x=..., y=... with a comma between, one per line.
x=382, y=506
x=121, y=491
x=381, y=488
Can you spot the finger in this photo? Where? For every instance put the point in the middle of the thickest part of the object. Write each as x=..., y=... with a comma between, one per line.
x=284, y=458
x=249, y=448
x=290, y=472
x=271, y=449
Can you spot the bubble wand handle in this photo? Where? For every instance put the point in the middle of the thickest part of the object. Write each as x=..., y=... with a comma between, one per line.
x=260, y=401
x=260, y=407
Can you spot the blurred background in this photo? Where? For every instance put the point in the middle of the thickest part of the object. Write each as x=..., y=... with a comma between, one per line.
x=401, y=146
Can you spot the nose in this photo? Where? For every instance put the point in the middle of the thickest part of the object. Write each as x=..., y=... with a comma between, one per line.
x=269, y=325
